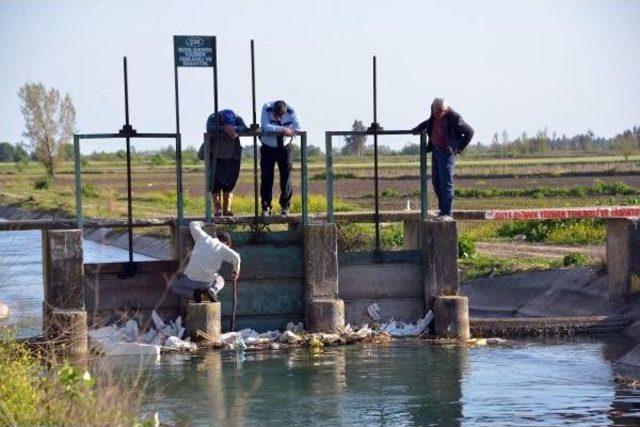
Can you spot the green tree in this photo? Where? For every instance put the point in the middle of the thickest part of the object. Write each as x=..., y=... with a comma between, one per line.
x=354, y=144
x=49, y=122
x=6, y=152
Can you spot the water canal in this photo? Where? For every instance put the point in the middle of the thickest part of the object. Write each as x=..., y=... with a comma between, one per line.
x=410, y=382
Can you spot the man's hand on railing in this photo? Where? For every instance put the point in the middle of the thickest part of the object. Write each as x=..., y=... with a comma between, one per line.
x=287, y=131
x=230, y=130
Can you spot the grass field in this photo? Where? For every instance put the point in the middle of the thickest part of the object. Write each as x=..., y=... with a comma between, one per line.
x=480, y=184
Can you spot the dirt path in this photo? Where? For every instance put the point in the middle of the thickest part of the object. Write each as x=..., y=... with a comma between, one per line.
x=537, y=250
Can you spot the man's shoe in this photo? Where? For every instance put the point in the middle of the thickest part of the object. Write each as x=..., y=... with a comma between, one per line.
x=266, y=212
x=285, y=212
x=212, y=296
x=444, y=218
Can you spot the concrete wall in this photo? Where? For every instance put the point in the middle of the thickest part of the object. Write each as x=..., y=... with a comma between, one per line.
x=270, y=289
x=393, y=280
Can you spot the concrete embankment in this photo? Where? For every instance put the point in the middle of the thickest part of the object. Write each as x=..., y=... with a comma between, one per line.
x=555, y=302
x=151, y=246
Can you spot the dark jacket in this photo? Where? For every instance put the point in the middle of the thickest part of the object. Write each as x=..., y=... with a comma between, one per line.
x=229, y=147
x=459, y=133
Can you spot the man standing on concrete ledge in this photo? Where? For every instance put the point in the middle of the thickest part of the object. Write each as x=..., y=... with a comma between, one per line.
x=201, y=274
x=448, y=135
x=279, y=122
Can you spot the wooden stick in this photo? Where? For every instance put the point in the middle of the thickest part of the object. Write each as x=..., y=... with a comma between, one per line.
x=234, y=304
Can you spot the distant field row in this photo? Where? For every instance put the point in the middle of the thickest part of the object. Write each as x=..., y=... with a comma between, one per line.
x=386, y=163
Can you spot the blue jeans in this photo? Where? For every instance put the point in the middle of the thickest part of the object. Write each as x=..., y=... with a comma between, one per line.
x=443, y=166
x=184, y=286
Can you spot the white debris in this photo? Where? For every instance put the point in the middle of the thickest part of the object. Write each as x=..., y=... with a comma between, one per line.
x=363, y=332
x=296, y=328
x=374, y=311
x=127, y=339
x=423, y=324
x=129, y=332
x=157, y=320
x=401, y=329
x=289, y=337
x=328, y=338
x=233, y=341
x=176, y=343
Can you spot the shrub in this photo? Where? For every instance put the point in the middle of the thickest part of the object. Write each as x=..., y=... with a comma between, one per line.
x=90, y=190
x=39, y=392
x=42, y=183
x=574, y=258
x=466, y=248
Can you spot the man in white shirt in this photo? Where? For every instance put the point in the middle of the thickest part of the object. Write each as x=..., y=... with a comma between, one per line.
x=279, y=123
x=201, y=273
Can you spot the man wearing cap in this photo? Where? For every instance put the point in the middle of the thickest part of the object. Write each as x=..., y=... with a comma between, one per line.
x=229, y=154
x=448, y=135
x=279, y=123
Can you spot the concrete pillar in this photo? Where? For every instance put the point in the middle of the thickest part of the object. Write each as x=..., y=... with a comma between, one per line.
x=623, y=258
x=324, y=311
x=203, y=316
x=411, y=234
x=321, y=261
x=68, y=330
x=439, y=243
x=325, y=315
x=451, y=317
x=63, y=269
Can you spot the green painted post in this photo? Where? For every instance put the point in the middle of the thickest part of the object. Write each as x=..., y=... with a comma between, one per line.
x=78, y=177
x=207, y=179
x=424, y=185
x=303, y=154
x=179, y=193
x=329, y=160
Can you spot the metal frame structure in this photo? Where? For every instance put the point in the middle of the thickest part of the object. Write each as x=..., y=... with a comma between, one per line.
x=254, y=132
x=127, y=133
x=375, y=129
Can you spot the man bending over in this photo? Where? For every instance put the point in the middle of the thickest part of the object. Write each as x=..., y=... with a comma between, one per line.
x=201, y=274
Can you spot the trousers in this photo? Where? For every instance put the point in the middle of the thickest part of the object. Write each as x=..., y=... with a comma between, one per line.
x=269, y=157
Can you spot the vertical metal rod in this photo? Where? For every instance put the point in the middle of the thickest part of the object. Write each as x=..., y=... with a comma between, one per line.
x=329, y=160
x=128, y=140
x=375, y=155
x=78, y=176
x=216, y=137
x=424, y=186
x=180, y=205
x=303, y=153
x=254, y=128
x=126, y=92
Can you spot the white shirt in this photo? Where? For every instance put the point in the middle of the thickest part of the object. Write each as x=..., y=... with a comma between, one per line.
x=207, y=255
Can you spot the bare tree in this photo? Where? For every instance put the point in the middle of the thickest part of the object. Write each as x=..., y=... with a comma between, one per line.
x=49, y=122
x=354, y=144
x=625, y=145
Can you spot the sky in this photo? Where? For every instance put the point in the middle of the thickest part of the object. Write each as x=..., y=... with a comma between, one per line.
x=569, y=66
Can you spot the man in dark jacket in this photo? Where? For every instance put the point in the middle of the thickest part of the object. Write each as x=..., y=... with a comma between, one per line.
x=448, y=135
x=229, y=155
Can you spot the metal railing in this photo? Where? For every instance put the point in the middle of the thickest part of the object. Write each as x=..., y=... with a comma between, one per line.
x=375, y=132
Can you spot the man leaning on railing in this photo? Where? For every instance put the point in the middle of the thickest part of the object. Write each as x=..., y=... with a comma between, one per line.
x=279, y=123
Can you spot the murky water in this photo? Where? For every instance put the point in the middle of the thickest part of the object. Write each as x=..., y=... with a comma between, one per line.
x=411, y=382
